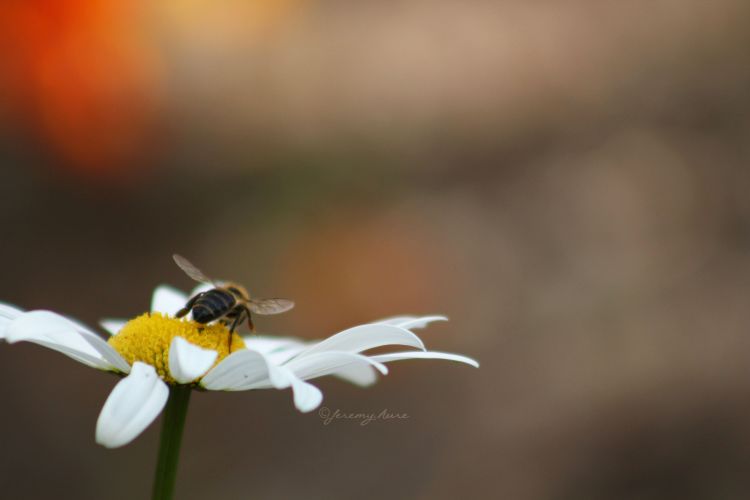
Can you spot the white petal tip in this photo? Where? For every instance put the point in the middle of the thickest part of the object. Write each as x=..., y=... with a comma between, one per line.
x=410, y=322
x=307, y=397
x=397, y=356
x=381, y=368
x=472, y=362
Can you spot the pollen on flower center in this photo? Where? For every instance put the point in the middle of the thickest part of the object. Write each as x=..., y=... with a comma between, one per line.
x=147, y=338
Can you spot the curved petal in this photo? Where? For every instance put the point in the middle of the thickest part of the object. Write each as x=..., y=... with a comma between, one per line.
x=167, y=300
x=268, y=344
x=364, y=337
x=81, y=357
x=187, y=361
x=243, y=370
x=66, y=336
x=112, y=326
x=282, y=356
x=132, y=405
x=278, y=350
x=109, y=354
x=7, y=314
x=410, y=322
x=357, y=374
x=307, y=397
x=325, y=363
x=397, y=356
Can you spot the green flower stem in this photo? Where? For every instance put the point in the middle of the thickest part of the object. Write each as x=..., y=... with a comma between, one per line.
x=171, y=437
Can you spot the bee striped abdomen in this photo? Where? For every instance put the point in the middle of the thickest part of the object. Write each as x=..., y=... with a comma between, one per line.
x=213, y=305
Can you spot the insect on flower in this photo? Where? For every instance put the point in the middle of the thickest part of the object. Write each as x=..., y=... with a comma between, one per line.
x=229, y=303
x=156, y=353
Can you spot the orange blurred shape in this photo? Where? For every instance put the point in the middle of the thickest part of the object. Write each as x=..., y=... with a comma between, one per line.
x=81, y=73
x=234, y=22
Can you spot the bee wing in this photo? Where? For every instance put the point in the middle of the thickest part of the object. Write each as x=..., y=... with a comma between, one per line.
x=191, y=270
x=269, y=306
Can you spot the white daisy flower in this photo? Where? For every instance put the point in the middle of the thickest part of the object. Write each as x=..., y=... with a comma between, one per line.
x=156, y=350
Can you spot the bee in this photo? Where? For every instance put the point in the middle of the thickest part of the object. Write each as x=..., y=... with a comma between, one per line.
x=229, y=303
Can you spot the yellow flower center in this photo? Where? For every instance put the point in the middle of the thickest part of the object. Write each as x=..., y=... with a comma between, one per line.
x=147, y=339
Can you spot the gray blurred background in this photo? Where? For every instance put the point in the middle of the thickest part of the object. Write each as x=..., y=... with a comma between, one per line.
x=568, y=181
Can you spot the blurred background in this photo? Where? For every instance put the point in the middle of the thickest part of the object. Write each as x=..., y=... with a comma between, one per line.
x=568, y=181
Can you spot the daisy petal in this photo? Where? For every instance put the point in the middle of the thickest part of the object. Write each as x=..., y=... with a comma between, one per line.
x=131, y=406
x=364, y=337
x=112, y=326
x=397, y=356
x=68, y=337
x=307, y=397
x=325, y=363
x=102, y=347
x=361, y=375
x=188, y=362
x=89, y=360
x=7, y=314
x=410, y=322
x=8, y=311
x=267, y=345
x=278, y=350
x=243, y=370
x=283, y=355
x=167, y=300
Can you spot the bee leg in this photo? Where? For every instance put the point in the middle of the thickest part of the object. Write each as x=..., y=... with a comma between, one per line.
x=236, y=322
x=190, y=303
x=250, y=321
